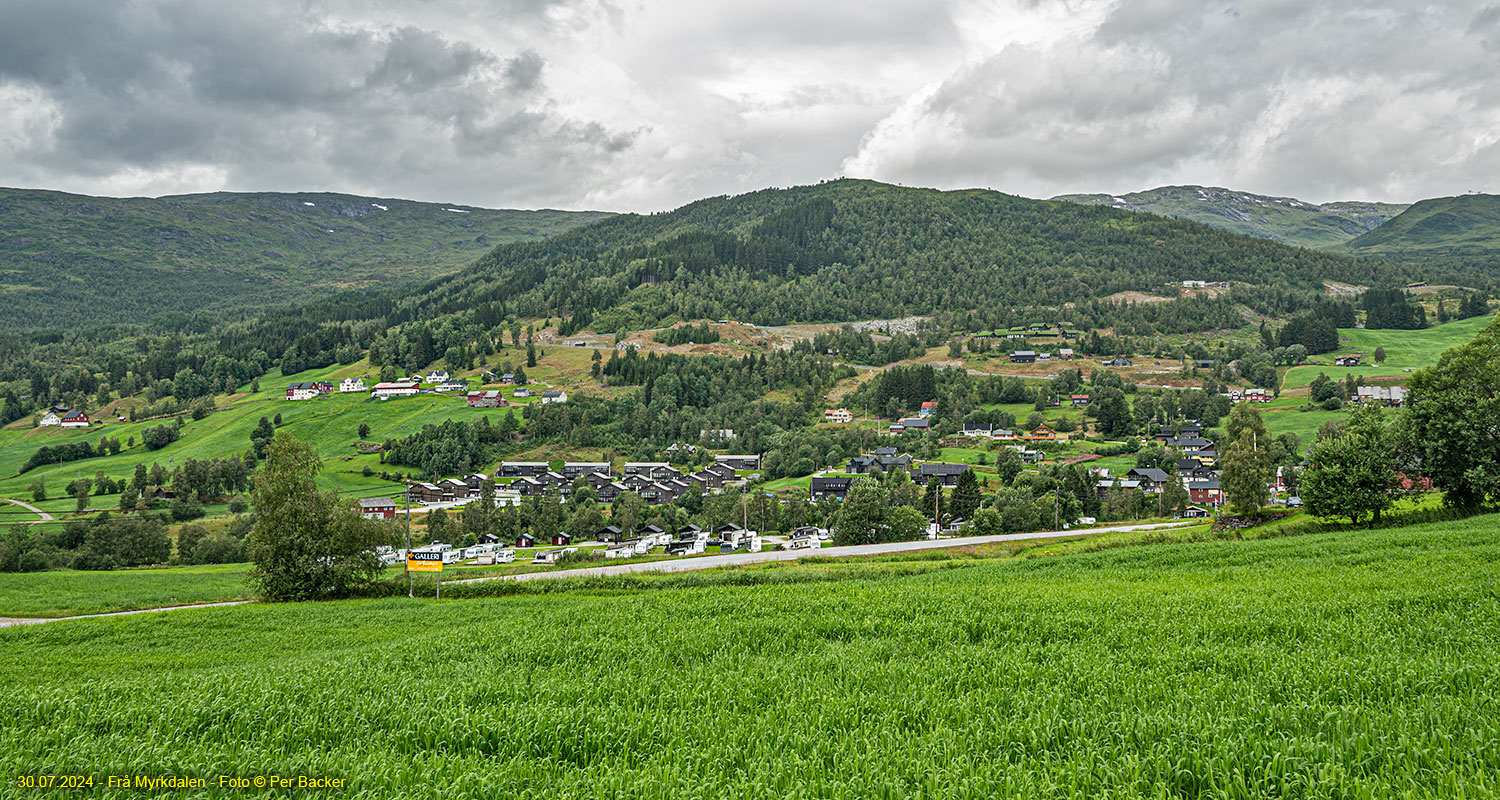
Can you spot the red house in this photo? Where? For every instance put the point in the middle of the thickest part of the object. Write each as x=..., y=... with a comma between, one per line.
x=377, y=508
x=1205, y=492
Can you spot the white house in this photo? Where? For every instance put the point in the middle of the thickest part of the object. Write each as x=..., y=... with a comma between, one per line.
x=436, y=376
x=385, y=391
x=453, y=386
x=554, y=396
x=302, y=391
x=838, y=415
x=53, y=416
x=352, y=385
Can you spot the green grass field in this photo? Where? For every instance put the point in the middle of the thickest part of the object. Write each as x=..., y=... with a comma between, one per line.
x=65, y=593
x=1350, y=664
x=1403, y=350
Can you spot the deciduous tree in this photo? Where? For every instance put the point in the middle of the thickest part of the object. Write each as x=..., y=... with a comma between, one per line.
x=306, y=543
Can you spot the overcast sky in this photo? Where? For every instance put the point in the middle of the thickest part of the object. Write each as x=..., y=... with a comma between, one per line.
x=644, y=106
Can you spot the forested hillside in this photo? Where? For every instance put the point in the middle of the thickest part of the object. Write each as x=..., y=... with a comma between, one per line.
x=1281, y=219
x=68, y=260
x=851, y=249
x=1466, y=225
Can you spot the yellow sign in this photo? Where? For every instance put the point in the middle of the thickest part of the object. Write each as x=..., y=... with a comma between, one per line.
x=424, y=562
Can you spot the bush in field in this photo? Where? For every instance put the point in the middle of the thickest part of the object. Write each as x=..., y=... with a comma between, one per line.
x=33, y=561
x=218, y=548
x=184, y=510
x=158, y=437
x=92, y=561
x=187, y=539
x=307, y=543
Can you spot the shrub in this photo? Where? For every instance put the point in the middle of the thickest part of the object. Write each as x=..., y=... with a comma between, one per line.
x=188, y=537
x=184, y=510
x=33, y=561
x=93, y=561
x=218, y=548
x=158, y=437
x=238, y=506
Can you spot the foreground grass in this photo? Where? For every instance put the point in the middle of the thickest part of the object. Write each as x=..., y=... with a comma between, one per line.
x=66, y=593
x=1349, y=664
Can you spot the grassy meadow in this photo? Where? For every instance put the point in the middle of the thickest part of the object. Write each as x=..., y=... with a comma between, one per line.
x=1404, y=350
x=1348, y=664
x=66, y=593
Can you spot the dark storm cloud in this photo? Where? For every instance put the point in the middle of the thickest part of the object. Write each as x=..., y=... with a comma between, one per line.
x=282, y=97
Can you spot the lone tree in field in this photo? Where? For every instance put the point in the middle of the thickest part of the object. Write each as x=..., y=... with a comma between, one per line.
x=1454, y=419
x=308, y=544
x=1353, y=474
x=1247, y=461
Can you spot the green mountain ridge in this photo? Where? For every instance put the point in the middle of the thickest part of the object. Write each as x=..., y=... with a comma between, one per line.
x=1281, y=219
x=852, y=249
x=68, y=259
x=1465, y=225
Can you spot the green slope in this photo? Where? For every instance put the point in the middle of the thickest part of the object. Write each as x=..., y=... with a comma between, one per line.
x=853, y=249
x=329, y=423
x=1281, y=219
x=1465, y=225
x=68, y=260
x=1352, y=664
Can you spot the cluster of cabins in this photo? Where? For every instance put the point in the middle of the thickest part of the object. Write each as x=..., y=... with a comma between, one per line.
x=984, y=430
x=1039, y=329
x=687, y=541
x=1251, y=395
x=1032, y=356
x=884, y=460
x=655, y=482
x=1195, y=470
x=437, y=381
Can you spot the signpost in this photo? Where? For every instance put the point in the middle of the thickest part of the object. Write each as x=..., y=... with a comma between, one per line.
x=427, y=561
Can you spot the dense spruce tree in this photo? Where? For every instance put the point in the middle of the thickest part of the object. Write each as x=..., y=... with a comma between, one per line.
x=965, y=498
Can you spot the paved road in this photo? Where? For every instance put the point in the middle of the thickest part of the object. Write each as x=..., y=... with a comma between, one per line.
x=735, y=559
x=6, y=622
x=33, y=509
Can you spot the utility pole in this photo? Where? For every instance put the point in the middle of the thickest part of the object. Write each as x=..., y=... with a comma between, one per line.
x=408, y=540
